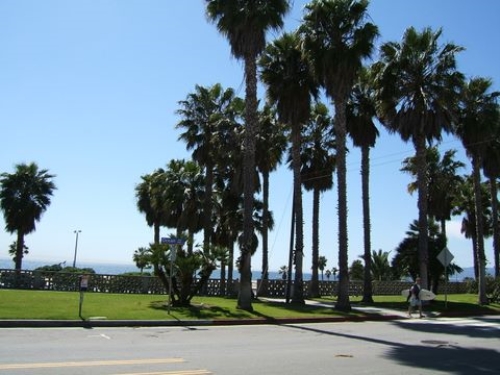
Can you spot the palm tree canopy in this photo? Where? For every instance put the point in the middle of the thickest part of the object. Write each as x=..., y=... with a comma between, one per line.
x=361, y=112
x=289, y=79
x=205, y=113
x=337, y=33
x=245, y=22
x=317, y=152
x=479, y=115
x=418, y=85
x=442, y=178
x=24, y=196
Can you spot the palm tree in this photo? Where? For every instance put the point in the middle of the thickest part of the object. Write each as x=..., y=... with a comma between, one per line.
x=318, y=164
x=204, y=114
x=245, y=24
x=338, y=38
x=322, y=264
x=270, y=146
x=141, y=258
x=289, y=82
x=361, y=112
x=417, y=90
x=464, y=203
x=185, y=183
x=442, y=180
x=491, y=169
x=380, y=266
x=478, y=121
x=151, y=198
x=24, y=197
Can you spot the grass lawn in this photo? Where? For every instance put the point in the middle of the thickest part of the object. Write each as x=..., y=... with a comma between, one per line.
x=48, y=305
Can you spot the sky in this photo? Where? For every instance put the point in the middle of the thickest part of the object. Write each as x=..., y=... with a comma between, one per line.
x=89, y=90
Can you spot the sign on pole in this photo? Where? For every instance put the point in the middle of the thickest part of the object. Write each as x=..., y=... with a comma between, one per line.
x=172, y=241
x=445, y=257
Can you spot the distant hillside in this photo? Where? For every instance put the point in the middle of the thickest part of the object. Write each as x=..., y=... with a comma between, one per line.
x=469, y=273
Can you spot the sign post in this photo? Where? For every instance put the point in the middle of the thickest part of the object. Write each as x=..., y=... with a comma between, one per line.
x=171, y=241
x=445, y=257
x=84, y=285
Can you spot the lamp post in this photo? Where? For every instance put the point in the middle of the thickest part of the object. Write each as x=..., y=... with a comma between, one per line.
x=76, y=246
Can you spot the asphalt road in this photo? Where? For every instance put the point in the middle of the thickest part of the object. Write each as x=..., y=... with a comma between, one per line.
x=427, y=346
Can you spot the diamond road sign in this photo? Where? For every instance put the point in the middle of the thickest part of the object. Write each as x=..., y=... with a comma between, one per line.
x=172, y=241
x=445, y=257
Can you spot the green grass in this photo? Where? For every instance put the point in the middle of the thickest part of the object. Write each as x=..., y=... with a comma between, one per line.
x=48, y=305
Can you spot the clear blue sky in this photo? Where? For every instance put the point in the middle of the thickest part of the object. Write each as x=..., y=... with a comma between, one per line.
x=89, y=90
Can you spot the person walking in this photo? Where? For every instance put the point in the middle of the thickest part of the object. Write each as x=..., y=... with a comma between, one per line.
x=413, y=298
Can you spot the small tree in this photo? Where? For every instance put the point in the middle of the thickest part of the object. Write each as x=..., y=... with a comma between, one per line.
x=140, y=259
x=184, y=268
x=322, y=264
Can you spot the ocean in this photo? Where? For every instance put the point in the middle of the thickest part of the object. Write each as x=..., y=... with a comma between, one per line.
x=117, y=269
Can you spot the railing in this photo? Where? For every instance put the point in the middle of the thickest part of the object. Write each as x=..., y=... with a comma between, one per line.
x=98, y=283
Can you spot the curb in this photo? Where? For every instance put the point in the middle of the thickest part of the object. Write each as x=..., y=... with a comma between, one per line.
x=184, y=323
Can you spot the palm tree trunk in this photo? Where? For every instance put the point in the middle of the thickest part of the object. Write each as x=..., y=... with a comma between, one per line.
x=365, y=186
x=315, y=245
x=496, y=231
x=230, y=267
x=423, y=251
x=265, y=229
x=19, y=251
x=245, y=292
x=343, y=302
x=207, y=207
x=298, y=290
x=481, y=258
x=156, y=228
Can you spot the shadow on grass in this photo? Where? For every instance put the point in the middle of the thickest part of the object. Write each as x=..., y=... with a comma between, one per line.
x=201, y=311
x=269, y=311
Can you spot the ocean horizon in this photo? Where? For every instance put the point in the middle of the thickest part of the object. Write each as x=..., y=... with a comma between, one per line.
x=121, y=268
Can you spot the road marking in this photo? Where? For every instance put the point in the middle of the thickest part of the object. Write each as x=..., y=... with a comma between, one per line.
x=18, y=366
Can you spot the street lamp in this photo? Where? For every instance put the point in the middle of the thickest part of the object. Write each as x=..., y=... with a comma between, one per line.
x=76, y=246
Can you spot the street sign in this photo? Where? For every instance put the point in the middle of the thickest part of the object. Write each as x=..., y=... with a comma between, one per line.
x=172, y=241
x=445, y=257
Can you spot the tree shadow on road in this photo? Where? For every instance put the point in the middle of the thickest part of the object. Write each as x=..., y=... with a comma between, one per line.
x=431, y=355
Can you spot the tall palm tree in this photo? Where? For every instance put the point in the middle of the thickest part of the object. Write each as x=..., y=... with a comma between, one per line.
x=245, y=23
x=417, y=87
x=288, y=78
x=271, y=145
x=478, y=121
x=338, y=38
x=465, y=204
x=443, y=181
x=491, y=169
x=203, y=114
x=24, y=197
x=361, y=112
x=317, y=166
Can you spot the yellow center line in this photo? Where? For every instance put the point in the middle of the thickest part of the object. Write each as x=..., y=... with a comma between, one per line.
x=17, y=366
